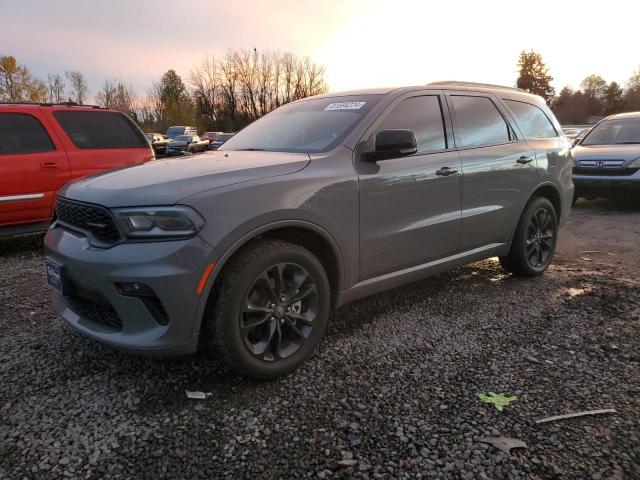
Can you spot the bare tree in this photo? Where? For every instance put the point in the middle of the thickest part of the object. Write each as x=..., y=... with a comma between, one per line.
x=205, y=90
x=78, y=89
x=55, y=88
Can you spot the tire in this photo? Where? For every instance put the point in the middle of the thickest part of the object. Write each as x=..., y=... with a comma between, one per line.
x=255, y=330
x=534, y=242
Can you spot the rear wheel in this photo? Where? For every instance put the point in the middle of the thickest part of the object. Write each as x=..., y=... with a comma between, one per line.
x=271, y=310
x=534, y=242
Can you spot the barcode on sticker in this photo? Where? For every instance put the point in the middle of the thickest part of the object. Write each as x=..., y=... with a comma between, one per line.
x=345, y=106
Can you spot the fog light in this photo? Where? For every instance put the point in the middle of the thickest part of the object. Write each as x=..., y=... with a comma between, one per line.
x=134, y=289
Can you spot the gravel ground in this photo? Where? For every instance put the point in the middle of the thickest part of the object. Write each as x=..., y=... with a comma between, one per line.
x=392, y=391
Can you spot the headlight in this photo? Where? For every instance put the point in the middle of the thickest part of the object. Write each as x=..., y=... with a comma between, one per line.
x=635, y=163
x=159, y=222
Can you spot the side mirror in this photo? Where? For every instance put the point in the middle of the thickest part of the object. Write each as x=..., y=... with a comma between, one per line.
x=575, y=141
x=393, y=144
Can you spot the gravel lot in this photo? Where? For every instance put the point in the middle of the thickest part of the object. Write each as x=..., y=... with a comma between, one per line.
x=392, y=392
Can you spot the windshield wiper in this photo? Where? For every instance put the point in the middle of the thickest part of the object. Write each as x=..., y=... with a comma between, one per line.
x=251, y=150
x=627, y=143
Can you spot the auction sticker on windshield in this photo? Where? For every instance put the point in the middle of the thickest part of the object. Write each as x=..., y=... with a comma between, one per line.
x=345, y=106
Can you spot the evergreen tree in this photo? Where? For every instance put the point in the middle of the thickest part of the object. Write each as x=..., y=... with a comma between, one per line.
x=534, y=75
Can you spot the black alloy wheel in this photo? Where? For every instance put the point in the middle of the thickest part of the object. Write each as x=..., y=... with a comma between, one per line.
x=279, y=311
x=540, y=238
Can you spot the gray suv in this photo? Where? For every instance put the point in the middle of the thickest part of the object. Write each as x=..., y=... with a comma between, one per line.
x=321, y=202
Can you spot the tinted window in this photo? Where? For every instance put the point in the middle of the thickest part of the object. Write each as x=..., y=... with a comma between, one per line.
x=309, y=126
x=531, y=120
x=20, y=133
x=93, y=129
x=478, y=122
x=423, y=116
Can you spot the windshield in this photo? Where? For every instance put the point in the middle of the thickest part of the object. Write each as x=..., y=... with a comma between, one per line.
x=173, y=132
x=310, y=126
x=224, y=137
x=149, y=136
x=617, y=131
x=183, y=138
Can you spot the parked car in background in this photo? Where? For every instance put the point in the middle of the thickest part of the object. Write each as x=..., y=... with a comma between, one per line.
x=572, y=132
x=176, y=131
x=158, y=142
x=42, y=146
x=321, y=202
x=607, y=159
x=219, y=140
x=210, y=136
x=186, y=144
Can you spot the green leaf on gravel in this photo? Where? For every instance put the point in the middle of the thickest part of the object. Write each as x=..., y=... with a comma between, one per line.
x=499, y=400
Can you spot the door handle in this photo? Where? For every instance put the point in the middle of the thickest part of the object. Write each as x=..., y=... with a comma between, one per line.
x=49, y=165
x=446, y=171
x=524, y=160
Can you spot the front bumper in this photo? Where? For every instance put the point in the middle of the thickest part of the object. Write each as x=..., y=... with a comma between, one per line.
x=95, y=306
x=607, y=185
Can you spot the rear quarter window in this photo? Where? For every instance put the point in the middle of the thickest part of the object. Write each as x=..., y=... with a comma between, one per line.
x=532, y=121
x=22, y=133
x=94, y=129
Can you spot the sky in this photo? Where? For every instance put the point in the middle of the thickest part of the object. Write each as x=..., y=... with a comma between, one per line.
x=362, y=43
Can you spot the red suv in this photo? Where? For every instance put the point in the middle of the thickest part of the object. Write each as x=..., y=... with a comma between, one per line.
x=43, y=146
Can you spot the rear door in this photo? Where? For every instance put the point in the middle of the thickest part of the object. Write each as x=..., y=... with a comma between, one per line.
x=498, y=168
x=98, y=140
x=33, y=166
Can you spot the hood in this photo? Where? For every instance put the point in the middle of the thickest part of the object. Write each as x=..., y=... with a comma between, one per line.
x=165, y=182
x=618, y=155
x=178, y=143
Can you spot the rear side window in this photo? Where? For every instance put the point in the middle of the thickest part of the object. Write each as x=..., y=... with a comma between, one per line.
x=479, y=122
x=91, y=129
x=531, y=120
x=423, y=116
x=21, y=133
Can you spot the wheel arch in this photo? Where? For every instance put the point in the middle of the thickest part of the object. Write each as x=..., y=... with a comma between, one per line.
x=546, y=190
x=307, y=234
x=550, y=192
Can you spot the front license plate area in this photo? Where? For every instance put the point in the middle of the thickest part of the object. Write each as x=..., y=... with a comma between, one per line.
x=55, y=277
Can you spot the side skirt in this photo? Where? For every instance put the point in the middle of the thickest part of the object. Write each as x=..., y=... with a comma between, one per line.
x=391, y=280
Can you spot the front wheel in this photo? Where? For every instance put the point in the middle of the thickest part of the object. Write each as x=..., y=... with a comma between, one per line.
x=534, y=242
x=271, y=309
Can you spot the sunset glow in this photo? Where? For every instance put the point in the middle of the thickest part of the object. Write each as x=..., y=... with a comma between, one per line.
x=361, y=43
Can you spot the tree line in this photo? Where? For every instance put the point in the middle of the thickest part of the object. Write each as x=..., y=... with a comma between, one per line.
x=220, y=94
x=230, y=92
x=594, y=98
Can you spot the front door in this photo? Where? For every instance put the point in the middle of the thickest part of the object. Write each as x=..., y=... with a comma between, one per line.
x=410, y=206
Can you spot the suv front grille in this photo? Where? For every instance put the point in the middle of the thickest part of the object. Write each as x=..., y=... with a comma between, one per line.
x=605, y=172
x=92, y=219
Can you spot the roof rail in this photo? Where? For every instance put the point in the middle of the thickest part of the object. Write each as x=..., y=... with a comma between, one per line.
x=47, y=104
x=456, y=83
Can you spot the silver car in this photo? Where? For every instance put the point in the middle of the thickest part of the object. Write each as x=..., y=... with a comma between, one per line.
x=607, y=159
x=321, y=202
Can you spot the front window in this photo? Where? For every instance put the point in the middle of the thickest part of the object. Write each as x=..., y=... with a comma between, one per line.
x=183, y=138
x=617, y=131
x=309, y=126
